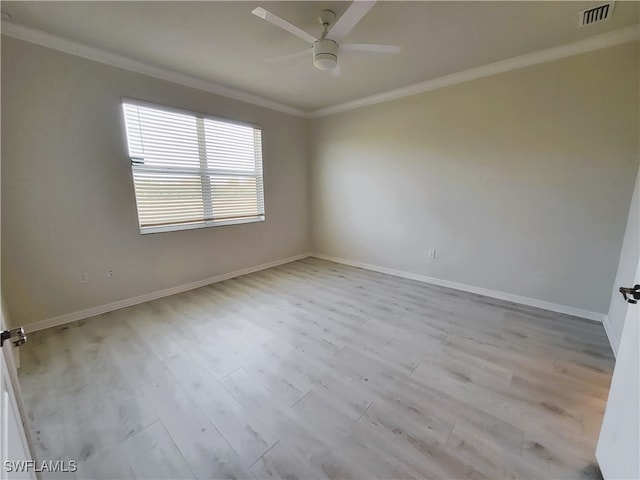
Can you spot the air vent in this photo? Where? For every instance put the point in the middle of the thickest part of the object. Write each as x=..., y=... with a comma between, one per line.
x=596, y=14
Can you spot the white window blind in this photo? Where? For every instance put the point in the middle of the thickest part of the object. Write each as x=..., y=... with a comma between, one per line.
x=192, y=171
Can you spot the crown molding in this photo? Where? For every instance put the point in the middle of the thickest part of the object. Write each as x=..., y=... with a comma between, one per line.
x=103, y=56
x=609, y=39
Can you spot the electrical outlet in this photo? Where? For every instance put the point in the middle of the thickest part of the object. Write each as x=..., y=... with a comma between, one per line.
x=109, y=273
x=83, y=277
x=432, y=253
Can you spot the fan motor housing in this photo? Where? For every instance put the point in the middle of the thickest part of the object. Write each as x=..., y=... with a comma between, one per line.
x=325, y=54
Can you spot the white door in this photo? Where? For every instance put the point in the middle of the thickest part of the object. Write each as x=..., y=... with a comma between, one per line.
x=618, y=450
x=14, y=448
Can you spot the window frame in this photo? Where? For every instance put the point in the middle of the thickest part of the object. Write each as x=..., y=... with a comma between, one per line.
x=198, y=115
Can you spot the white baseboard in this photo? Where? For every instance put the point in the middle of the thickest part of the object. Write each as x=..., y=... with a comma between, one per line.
x=109, y=307
x=614, y=339
x=532, y=302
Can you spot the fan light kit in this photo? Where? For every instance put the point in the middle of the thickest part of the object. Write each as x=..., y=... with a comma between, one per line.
x=325, y=49
x=325, y=54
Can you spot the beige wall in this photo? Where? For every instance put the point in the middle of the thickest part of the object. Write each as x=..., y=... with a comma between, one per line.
x=67, y=195
x=521, y=181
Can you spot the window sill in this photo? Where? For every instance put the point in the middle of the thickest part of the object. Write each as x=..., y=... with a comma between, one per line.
x=193, y=226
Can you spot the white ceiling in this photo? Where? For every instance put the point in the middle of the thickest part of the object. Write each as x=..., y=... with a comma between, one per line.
x=222, y=42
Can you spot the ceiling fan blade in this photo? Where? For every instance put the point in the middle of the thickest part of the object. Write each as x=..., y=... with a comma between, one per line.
x=288, y=56
x=336, y=71
x=350, y=19
x=280, y=22
x=370, y=48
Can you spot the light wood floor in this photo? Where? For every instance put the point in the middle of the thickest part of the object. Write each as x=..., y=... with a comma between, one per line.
x=319, y=370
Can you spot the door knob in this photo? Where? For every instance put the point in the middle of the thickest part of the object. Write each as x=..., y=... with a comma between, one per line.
x=17, y=333
x=633, y=291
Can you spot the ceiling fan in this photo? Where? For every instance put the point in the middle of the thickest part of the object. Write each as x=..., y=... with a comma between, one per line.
x=325, y=49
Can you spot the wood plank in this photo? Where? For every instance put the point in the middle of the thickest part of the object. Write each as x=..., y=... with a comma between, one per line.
x=202, y=446
x=152, y=454
x=239, y=427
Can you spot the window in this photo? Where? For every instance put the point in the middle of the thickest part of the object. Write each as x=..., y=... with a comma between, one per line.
x=191, y=170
